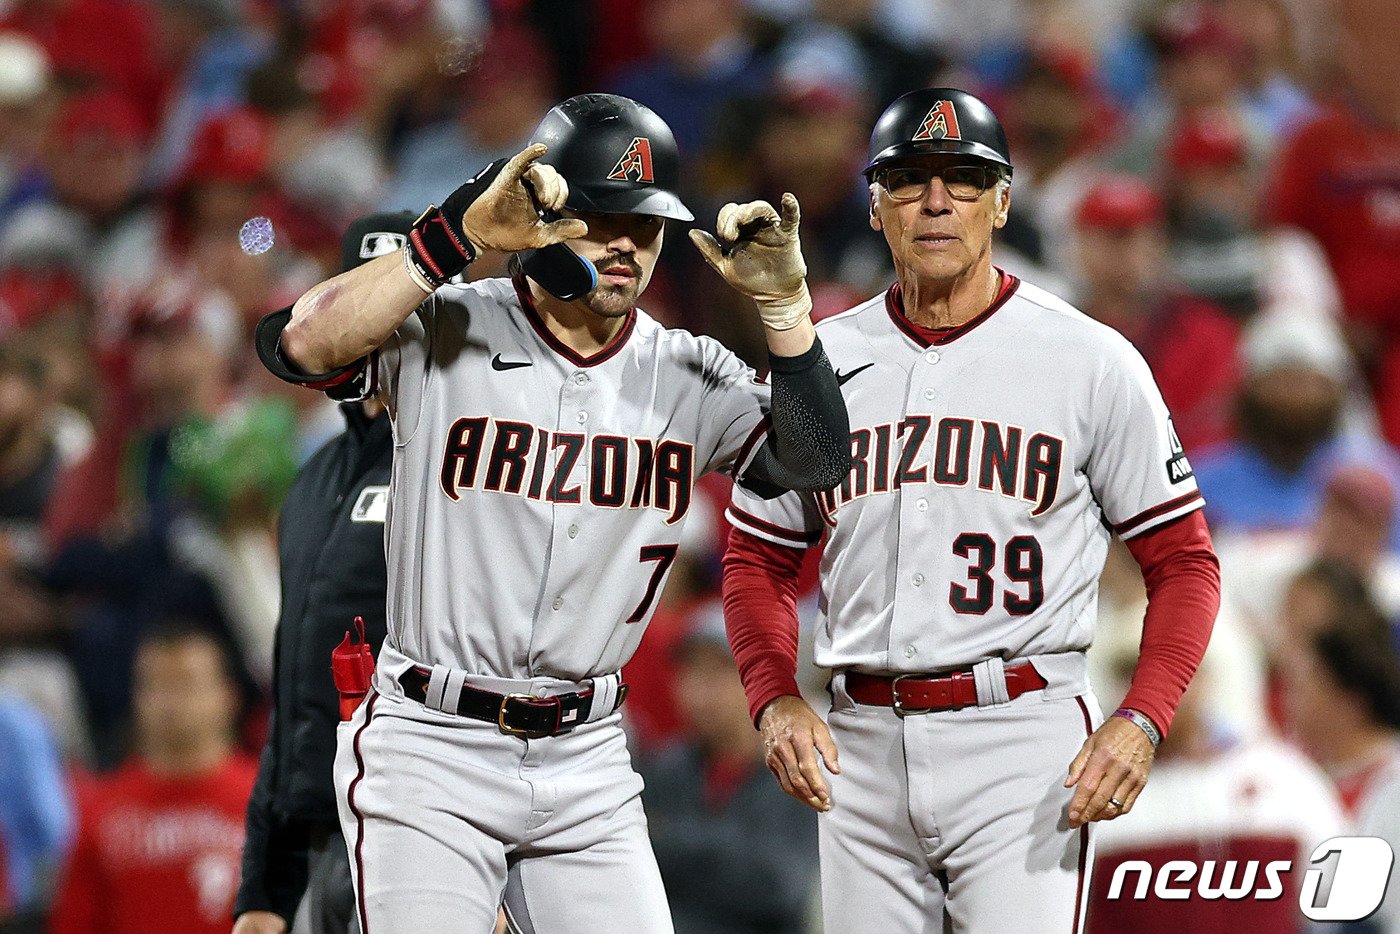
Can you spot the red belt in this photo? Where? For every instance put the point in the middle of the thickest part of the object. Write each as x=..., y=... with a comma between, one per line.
x=923, y=693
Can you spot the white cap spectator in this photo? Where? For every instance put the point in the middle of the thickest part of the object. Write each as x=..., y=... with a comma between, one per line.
x=1275, y=342
x=24, y=70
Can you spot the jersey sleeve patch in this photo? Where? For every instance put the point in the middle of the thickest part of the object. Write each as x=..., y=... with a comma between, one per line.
x=1162, y=512
x=777, y=534
x=1178, y=467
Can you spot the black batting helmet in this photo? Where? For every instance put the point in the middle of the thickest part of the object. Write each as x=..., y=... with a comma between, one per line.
x=617, y=156
x=938, y=120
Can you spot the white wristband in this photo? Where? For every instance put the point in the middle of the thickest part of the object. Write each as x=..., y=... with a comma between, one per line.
x=414, y=274
x=786, y=313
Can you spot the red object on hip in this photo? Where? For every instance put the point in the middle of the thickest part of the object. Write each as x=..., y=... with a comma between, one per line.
x=352, y=667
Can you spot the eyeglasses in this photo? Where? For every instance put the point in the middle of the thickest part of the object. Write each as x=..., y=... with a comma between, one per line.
x=963, y=182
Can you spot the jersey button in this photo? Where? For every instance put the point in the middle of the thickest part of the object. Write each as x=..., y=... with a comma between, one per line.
x=558, y=603
x=918, y=580
x=932, y=356
x=921, y=504
x=573, y=531
x=930, y=394
x=581, y=378
x=910, y=651
x=582, y=417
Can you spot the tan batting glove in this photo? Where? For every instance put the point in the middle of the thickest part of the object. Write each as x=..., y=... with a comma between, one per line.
x=759, y=254
x=504, y=217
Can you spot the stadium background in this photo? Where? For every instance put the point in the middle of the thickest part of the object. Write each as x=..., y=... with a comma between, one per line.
x=1220, y=180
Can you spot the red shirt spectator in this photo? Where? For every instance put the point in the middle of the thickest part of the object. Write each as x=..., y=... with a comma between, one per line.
x=1190, y=343
x=1339, y=179
x=156, y=853
x=103, y=43
x=159, y=843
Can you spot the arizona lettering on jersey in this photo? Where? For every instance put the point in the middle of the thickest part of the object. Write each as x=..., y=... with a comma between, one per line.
x=952, y=451
x=561, y=510
x=995, y=464
x=608, y=471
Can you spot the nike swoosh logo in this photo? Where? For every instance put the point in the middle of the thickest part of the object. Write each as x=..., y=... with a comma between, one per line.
x=842, y=377
x=498, y=364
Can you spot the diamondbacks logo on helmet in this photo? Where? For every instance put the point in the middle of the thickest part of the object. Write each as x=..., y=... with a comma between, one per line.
x=635, y=163
x=941, y=122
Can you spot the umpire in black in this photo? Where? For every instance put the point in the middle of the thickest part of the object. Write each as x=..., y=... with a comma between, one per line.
x=296, y=874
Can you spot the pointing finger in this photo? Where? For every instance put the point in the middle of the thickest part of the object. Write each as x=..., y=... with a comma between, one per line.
x=515, y=168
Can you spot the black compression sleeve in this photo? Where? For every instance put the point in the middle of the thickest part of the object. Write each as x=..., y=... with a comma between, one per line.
x=808, y=447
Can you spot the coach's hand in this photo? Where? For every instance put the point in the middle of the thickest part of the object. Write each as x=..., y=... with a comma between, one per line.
x=504, y=217
x=758, y=253
x=259, y=922
x=793, y=734
x=1112, y=765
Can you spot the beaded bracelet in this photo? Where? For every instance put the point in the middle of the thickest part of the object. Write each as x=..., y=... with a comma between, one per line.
x=1143, y=723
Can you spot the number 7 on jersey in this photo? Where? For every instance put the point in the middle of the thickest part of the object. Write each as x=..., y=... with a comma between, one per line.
x=663, y=555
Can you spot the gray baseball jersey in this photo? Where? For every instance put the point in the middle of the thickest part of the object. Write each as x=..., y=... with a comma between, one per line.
x=993, y=463
x=992, y=466
x=538, y=497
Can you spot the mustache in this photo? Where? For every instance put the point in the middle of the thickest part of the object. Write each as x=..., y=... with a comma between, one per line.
x=620, y=259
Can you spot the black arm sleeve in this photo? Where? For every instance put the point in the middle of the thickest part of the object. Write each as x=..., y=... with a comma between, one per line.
x=809, y=446
x=275, y=852
x=344, y=384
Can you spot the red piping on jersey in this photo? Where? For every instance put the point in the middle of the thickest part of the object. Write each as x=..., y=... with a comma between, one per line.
x=532, y=314
x=894, y=304
x=360, y=818
x=1083, y=836
x=777, y=531
x=1147, y=515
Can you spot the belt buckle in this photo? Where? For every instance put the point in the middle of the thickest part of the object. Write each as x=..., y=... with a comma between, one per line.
x=522, y=732
x=899, y=709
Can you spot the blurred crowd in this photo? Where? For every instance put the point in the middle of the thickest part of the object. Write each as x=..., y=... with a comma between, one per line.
x=1217, y=179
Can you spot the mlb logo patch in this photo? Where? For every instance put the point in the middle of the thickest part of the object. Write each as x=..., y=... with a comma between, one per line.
x=372, y=505
x=941, y=122
x=380, y=243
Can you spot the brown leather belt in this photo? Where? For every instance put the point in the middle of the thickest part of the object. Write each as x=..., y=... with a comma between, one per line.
x=951, y=690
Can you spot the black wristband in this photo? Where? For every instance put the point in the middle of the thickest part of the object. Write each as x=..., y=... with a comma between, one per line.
x=438, y=247
x=434, y=250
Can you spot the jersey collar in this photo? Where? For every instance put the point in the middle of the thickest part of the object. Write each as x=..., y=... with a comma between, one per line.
x=532, y=314
x=894, y=303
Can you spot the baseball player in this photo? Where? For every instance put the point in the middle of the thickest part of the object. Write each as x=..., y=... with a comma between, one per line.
x=999, y=439
x=547, y=435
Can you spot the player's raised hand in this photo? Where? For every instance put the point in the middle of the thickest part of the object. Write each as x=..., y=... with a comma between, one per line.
x=1111, y=770
x=758, y=252
x=793, y=735
x=505, y=216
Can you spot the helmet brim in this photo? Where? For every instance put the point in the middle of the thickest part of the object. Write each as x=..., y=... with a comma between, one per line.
x=936, y=147
x=629, y=199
